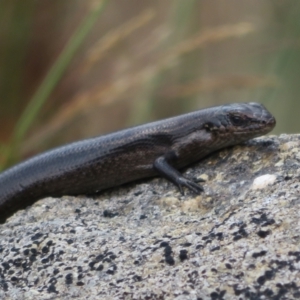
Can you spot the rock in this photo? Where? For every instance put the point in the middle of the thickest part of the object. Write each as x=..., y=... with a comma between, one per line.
x=146, y=241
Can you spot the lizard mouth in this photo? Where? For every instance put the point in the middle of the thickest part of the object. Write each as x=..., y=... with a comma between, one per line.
x=259, y=128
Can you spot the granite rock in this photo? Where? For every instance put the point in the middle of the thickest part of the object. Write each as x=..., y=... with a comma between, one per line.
x=238, y=240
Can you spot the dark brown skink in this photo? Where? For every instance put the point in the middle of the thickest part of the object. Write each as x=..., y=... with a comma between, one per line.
x=162, y=147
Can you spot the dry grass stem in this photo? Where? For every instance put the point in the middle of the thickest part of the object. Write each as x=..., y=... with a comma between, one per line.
x=94, y=4
x=113, y=37
x=209, y=36
x=221, y=83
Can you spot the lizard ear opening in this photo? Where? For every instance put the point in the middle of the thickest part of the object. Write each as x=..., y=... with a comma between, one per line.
x=210, y=126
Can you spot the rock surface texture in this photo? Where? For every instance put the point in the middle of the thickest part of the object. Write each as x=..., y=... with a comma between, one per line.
x=240, y=239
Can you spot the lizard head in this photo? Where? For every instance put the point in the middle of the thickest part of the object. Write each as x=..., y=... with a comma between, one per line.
x=241, y=121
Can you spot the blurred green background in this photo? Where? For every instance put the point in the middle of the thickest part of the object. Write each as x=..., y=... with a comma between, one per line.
x=72, y=69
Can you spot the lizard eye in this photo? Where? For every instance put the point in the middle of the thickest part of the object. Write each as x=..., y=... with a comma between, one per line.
x=237, y=120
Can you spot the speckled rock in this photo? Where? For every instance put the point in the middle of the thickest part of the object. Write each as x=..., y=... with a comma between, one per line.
x=238, y=240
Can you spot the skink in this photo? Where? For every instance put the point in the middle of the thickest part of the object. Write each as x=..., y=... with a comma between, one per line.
x=158, y=148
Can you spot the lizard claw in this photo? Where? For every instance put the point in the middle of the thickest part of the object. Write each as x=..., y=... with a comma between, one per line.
x=200, y=180
x=191, y=185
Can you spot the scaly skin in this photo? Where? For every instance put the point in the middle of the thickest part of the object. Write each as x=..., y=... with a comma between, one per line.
x=161, y=147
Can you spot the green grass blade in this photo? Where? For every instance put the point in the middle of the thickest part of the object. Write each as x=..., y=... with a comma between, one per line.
x=55, y=73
